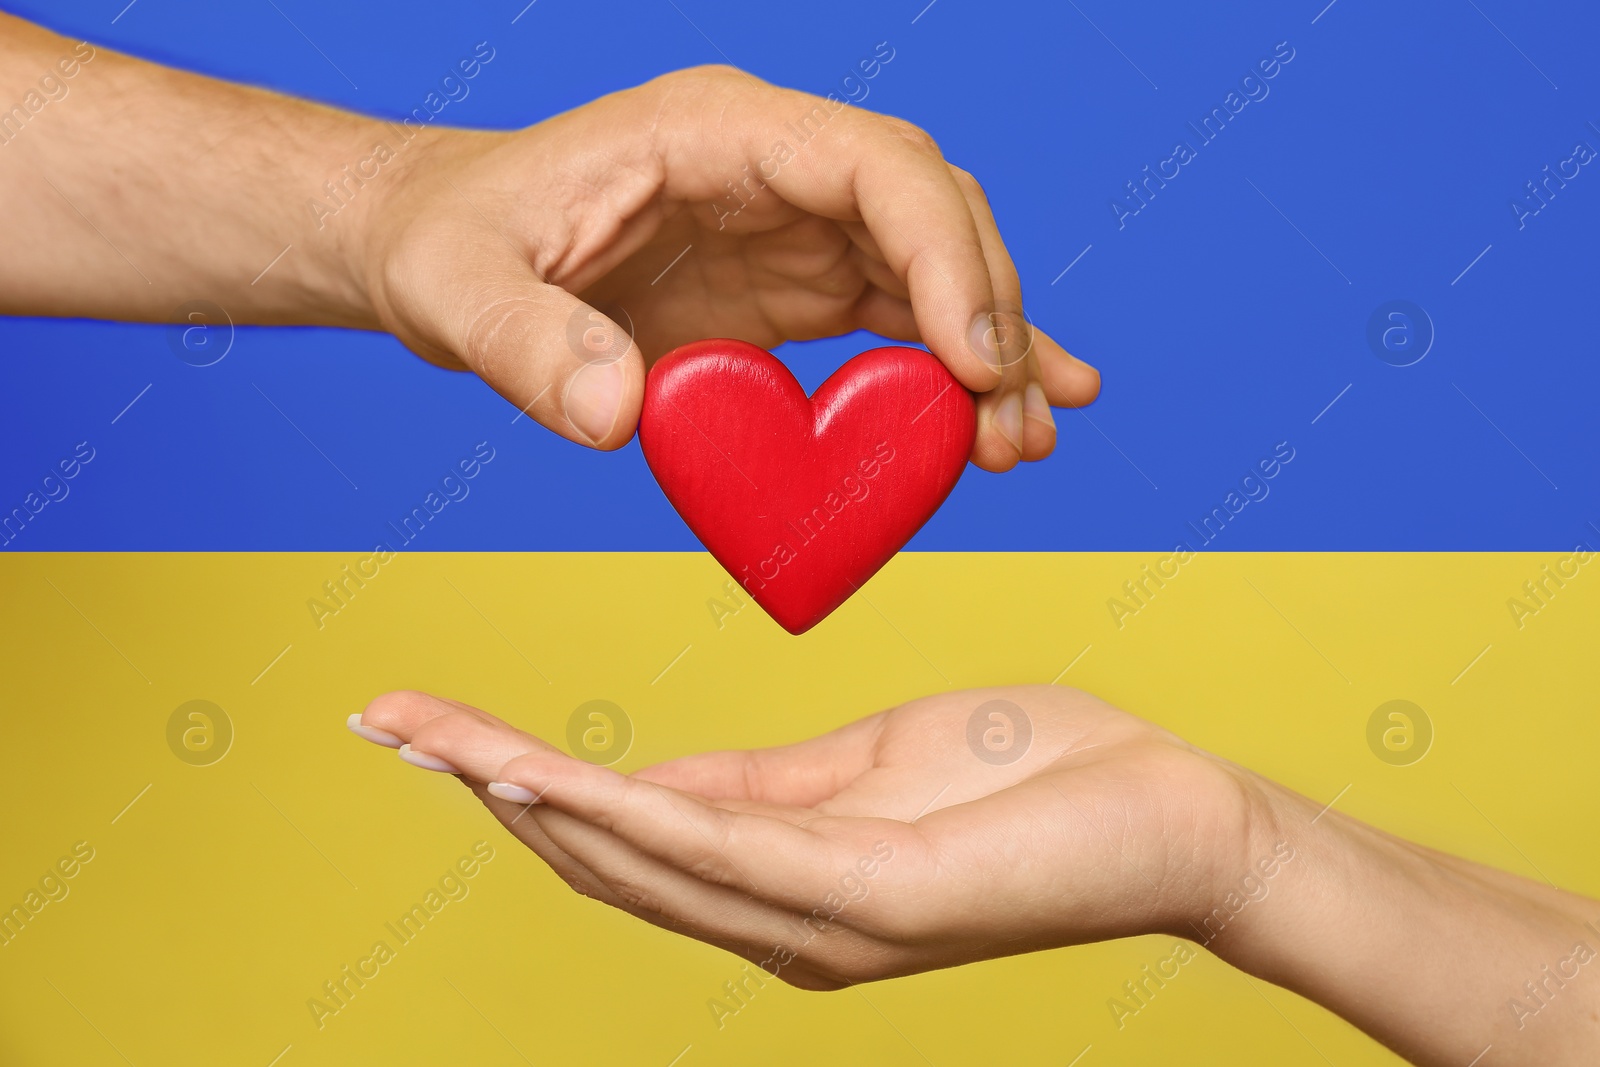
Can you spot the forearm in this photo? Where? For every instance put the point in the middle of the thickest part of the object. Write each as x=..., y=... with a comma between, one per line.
x=134, y=188
x=1436, y=957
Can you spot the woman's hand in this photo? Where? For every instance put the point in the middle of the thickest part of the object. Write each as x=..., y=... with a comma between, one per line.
x=954, y=828
x=705, y=203
x=972, y=825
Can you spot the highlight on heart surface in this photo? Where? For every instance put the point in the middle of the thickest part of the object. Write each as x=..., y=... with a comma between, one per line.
x=803, y=499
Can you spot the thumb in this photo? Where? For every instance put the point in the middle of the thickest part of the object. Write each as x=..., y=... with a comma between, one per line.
x=567, y=365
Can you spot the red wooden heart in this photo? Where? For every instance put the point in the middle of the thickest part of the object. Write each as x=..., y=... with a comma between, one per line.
x=804, y=499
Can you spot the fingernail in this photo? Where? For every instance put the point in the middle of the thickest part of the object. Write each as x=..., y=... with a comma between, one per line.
x=1008, y=419
x=514, y=793
x=427, y=762
x=372, y=733
x=594, y=398
x=1035, y=406
x=984, y=339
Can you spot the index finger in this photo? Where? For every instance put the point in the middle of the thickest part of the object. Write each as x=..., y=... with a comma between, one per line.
x=802, y=774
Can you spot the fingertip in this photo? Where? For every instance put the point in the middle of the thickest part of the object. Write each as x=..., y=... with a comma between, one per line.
x=998, y=445
x=1006, y=419
x=601, y=401
x=527, y=770
x=1038, y=425
x=542, y=770
x=1082, y=385
x=399, y=713
x=427, y=761
x=962, y=361
x=1068, y=381
x=995, y=460
x=372, y=733
x=993, y=453
x=516, y=794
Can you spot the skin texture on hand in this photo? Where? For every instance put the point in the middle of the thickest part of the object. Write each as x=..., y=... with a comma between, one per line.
x=667, y=205
x=737, y=848
x=865, y=227
x=892, y=846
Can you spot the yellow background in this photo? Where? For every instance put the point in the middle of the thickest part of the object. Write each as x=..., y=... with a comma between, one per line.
x=221, y=900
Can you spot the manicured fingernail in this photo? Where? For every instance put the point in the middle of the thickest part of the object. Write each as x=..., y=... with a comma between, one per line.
x=594, y=398
x=372, y=733
x=1035, y=406
x=427, y=762
x=983, y=337
x=514, y=793
x=1008, y=419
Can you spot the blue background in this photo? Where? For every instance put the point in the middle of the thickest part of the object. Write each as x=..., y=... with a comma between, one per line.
x=1395, y=141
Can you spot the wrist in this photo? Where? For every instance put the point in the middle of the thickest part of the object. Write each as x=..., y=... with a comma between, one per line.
x=348, y=182
x=1364, y=924
x=1254, y=847
x=1344, y=895
x=415, y=192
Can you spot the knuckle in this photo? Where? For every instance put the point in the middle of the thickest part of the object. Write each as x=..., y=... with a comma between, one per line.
x=603, y=819
x=914, y=135
x=705, y=866
x=716, y=70
x=489, y=336
x=710, y=863
x=582, y=887
x=706, y=75
x=635, y=895
x=969, y=184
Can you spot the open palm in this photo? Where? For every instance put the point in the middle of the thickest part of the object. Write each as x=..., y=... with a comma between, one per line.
x=953, y=828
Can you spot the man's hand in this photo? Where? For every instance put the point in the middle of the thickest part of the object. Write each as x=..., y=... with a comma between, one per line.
x=554, y=261
x=689, y=207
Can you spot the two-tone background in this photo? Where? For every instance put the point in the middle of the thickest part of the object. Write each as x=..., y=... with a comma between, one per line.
x=1379, y=259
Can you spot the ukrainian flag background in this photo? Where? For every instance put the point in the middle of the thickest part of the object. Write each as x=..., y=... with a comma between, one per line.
x=226, y=867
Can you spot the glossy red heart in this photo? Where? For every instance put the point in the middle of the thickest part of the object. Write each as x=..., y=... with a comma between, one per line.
x=802, y=498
